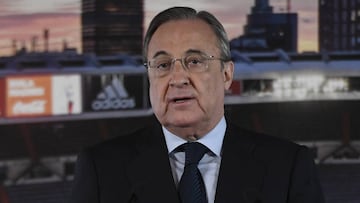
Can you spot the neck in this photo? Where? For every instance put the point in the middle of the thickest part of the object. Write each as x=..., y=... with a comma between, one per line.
x=193, y=132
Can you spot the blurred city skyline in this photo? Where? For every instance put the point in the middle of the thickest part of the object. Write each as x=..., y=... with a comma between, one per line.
x=24, y=20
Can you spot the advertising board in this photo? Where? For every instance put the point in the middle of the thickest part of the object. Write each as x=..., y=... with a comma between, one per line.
x=42, y=95
x=28, y=95
x=66, y=94
x=109, y=92
x=235, y=88
x=2, y=97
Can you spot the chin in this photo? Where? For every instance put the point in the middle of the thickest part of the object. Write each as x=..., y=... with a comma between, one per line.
x=182, y=122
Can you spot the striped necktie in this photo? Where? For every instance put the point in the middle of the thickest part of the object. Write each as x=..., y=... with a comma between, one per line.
x=191, y=185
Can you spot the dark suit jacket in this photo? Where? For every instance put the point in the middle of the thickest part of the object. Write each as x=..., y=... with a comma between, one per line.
x=254, y=168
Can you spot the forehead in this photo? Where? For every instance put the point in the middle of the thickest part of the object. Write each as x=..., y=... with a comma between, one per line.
x=178, y=36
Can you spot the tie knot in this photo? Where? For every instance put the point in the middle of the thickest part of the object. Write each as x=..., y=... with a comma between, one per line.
x=194, y=151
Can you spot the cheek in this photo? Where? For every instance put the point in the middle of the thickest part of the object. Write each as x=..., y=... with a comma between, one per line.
x=211, y=90
x=212, y=85
x=156, y=93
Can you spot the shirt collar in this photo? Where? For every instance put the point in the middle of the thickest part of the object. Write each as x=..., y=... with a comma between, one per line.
x=213, y=140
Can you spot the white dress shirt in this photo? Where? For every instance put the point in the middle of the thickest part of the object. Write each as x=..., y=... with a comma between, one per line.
x=209, y=165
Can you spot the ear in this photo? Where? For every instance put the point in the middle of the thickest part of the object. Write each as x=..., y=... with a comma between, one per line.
x=228, y=74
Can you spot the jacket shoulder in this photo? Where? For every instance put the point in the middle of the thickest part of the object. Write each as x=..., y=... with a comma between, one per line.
x=266, y=145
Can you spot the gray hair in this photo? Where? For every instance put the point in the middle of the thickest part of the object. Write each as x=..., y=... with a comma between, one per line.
x=183, y=13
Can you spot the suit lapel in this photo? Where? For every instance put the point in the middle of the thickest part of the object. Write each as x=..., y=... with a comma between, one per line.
x=150, y=173
x=241, y=176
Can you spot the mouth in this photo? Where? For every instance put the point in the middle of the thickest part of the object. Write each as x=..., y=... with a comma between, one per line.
x=180, y=99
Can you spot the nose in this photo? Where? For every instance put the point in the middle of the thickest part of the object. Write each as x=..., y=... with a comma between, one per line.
x=181, y=65
x=179, y=75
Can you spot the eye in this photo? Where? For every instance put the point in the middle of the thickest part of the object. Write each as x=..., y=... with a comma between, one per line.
x=162, y=64
x=194, y=60
x=165, y=65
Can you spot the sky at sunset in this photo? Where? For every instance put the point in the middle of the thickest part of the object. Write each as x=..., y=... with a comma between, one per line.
x=24, y=20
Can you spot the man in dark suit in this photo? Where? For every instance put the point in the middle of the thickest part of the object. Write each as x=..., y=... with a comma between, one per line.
x=189, y=67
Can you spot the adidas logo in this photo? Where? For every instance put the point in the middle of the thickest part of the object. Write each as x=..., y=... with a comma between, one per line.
x=113, y=96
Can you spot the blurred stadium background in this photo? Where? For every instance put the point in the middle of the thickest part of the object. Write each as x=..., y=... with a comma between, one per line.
x=56, y=103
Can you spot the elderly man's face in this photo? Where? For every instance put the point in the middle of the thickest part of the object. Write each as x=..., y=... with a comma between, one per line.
x=188, y=103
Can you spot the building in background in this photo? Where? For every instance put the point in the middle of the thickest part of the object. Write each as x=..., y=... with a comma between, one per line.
x=268, y=31
x=339, y=25
x=112, y=26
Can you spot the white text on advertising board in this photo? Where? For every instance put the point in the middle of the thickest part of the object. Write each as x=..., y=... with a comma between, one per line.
x=24, y=88
x=33, y=107
x=113, y=96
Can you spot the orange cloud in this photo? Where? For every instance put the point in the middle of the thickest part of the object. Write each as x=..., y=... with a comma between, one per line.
x=23, y=28
x=64, y=25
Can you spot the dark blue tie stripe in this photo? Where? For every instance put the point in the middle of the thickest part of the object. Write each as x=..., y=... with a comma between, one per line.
x=191, y=186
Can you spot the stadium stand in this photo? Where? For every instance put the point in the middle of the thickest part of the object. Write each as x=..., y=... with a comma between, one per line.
x=12, y=145
x=37, y=155
x=52, y=192
x=4, y=198
x=340, y=182
x=64, y=138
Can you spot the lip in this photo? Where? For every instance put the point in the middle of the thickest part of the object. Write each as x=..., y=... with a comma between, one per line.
x=180, y=99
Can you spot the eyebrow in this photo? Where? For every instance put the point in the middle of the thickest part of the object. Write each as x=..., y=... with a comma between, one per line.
x=160, y=53
x=189, y=51
x=194, y=51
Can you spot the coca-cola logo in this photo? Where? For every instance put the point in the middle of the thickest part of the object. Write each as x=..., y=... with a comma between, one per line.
x=33, y=107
